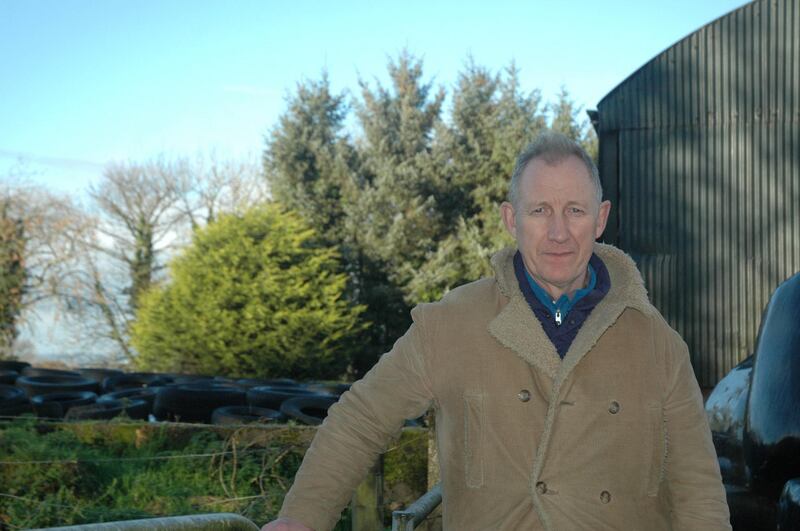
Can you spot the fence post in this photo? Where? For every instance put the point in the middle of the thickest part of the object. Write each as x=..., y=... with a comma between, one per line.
x=366, y=506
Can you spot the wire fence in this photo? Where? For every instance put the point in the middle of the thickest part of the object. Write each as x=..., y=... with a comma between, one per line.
x=224, y=463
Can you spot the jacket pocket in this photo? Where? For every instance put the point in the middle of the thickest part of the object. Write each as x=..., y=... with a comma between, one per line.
x=474, y=439
x=659, y=447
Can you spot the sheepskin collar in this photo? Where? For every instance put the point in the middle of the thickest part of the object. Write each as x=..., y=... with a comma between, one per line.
x=517, y=327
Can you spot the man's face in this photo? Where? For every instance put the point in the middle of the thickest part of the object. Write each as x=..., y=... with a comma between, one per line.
x=556, y=223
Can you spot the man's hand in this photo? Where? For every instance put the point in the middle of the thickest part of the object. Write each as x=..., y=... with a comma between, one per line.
x=285, y=524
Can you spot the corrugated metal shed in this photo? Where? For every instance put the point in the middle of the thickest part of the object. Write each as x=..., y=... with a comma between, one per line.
x=700, y=155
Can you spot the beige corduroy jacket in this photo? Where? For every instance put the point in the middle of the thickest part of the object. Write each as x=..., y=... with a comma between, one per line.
x=614, y=437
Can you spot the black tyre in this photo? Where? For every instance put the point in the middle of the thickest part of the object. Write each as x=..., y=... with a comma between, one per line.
x=210, y=383
x=135, y=379
x=134, y=408
x=195, y=402
x=8, y=377
x=272, y=397
x=11, y=396
x=274, y=382
x=183, y=379
x=13, y=401
x=13, y=365
x=56, y=405
x=310, y=410
x=98, y=374
x=36, y=371
x=41, y=385
x=147, y=394
x=245, y=415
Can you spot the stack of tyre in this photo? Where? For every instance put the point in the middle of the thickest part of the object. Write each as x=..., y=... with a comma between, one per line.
x=93, y=393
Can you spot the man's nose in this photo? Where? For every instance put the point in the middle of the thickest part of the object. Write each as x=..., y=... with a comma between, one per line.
x=557, y=231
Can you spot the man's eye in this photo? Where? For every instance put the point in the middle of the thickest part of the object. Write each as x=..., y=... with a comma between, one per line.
x=538, y=210
x=576, y=210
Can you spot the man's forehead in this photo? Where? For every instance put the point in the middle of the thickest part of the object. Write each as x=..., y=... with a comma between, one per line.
x=564, y=164
x=558, y=176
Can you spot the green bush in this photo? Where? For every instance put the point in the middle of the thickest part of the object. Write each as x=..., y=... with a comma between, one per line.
x=253, y=296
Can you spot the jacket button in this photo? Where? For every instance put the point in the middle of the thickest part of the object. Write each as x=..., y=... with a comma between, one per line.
x=524, y=395
x=605, y=496
x=541, y=487
x=613, y=408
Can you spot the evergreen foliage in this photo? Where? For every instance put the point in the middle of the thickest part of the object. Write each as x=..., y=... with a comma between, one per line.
x=309, y=159
x=251, y=296
x=410, y=196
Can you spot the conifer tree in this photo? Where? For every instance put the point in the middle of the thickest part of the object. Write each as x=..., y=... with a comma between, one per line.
x=491, y=119
x=395, y=219
x=566, y=119
x=412, y=199
x=309, y=159
x=253, y=295
x=396, y=208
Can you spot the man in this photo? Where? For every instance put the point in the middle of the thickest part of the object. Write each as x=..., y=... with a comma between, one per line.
x=563, y=400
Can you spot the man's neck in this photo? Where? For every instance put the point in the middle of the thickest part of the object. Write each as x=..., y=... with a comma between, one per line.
x=555, y=292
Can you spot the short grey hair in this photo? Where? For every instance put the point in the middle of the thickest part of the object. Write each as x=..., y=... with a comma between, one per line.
x=553, y=148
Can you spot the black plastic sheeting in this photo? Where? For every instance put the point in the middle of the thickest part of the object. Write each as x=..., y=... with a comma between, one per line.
x=726, y=408
x=772, y=428
x=789, y=507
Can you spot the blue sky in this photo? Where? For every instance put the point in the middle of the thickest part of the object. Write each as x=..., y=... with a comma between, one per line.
x=87, y=82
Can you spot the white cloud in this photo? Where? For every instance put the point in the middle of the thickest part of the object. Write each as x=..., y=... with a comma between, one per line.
x=57, y=162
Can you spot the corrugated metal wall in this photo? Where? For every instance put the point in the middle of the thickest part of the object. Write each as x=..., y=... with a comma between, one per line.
x=700, y=154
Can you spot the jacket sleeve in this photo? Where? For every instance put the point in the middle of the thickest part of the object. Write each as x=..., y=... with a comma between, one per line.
x=358, y=429
x=692, y=472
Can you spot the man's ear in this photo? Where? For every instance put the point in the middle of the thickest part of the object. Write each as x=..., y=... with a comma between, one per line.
x=602, y=218
x=507, y=213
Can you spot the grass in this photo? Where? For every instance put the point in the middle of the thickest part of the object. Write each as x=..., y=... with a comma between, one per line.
x=61, y=475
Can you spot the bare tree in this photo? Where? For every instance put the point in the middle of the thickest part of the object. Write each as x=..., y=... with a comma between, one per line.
x=39, y=237
x=212, y=186
x=142, y=212
x=138, y=217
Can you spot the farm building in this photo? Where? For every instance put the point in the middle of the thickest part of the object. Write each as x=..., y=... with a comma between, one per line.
x=700, y=157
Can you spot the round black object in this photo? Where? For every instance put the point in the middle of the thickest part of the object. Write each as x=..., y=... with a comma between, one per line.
x=98, y=374
x=8, y=377
x=56, y=405
x=310, y=410
x=147, y=394
x=134, y=408
x=135, y=379
x=206, y=384
x=183, y=379
x=37, y=371
x=245, y=415
x=13, y=365
x=13, y=401
x=11, y=396
x=789, y=506
x=274, y=382
x=195, y=402
x=41, y=385
x=272, y=397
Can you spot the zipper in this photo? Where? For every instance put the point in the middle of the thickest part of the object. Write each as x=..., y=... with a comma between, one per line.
x=558, y=316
